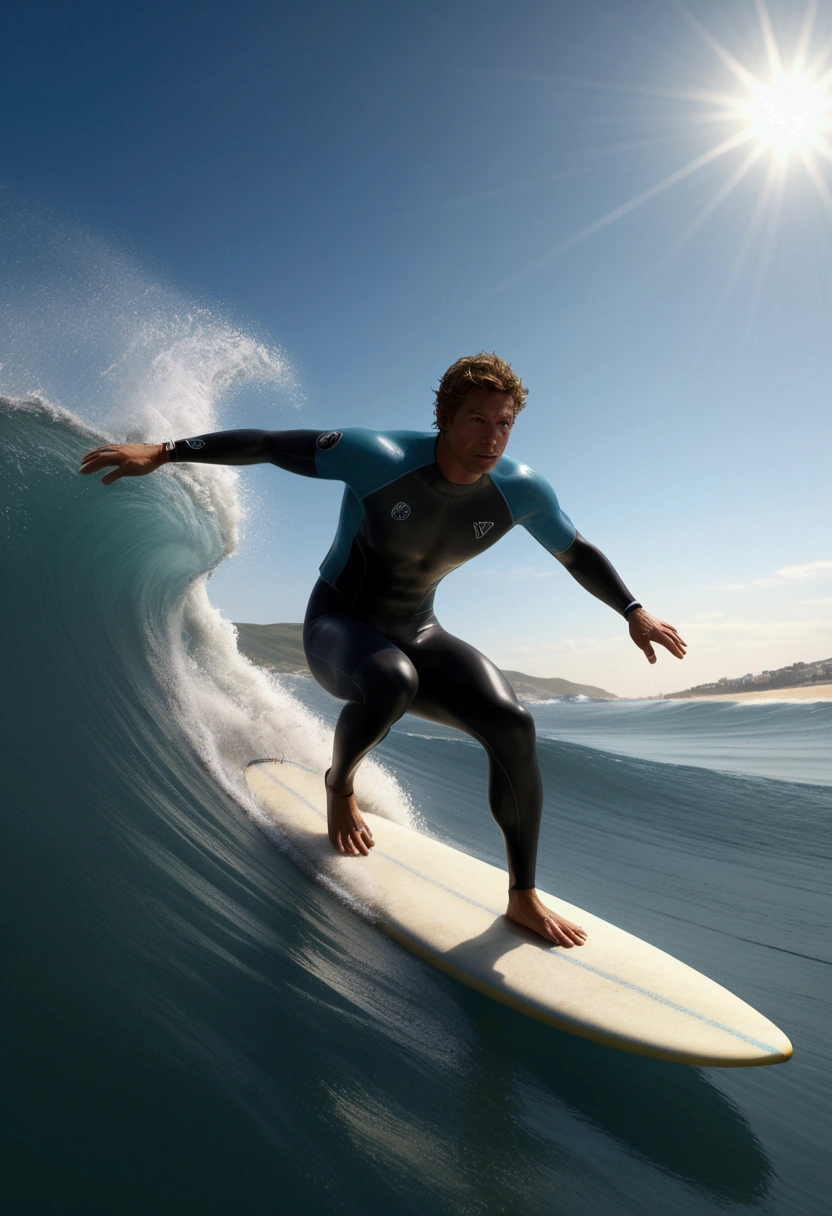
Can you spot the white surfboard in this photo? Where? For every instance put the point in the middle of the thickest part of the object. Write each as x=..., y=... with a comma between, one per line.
x=448, y=908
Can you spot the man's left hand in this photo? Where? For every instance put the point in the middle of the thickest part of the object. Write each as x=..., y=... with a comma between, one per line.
x=645, y=629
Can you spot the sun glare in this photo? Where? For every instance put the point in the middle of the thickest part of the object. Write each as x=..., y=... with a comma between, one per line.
x=775, y=115
x=790, y=114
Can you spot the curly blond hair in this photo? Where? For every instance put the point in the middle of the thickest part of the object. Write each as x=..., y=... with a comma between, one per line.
x=483, y=370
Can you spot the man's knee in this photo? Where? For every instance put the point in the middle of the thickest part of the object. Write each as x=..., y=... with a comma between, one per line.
x=511, y=731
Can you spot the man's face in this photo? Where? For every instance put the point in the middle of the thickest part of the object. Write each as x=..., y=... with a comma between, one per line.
x=478, y=431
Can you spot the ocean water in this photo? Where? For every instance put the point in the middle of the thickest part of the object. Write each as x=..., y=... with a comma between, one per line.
x=195, y=1022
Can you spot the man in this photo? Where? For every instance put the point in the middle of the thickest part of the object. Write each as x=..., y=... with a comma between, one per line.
x=416, y=507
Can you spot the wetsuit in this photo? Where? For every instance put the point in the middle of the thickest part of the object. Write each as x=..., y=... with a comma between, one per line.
x=370, y=634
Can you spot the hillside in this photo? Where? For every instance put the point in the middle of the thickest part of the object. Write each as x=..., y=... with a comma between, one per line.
x=536, y=688
x=795, y=676
x=280, y=648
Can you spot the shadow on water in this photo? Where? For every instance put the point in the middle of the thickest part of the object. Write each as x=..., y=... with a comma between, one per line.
x=670, y=1114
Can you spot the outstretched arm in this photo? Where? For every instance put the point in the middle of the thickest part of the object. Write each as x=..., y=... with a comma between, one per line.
x=291, y=450
x=534, y=504
x=597, y=575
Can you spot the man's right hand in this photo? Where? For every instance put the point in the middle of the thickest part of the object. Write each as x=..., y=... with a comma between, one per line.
x=130, y=459
x=645, y=629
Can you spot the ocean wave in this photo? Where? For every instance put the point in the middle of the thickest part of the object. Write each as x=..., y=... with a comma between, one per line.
x=120, y=575
x=784, y=740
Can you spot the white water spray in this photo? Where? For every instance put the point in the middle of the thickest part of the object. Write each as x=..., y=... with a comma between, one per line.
x=146, y=363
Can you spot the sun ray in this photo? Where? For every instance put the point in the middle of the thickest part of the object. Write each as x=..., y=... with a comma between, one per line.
x=535, y=183
x=757, y=218
x=818, y=180
x=643, y=90
x=742, y=73
x=775, y=63
x=805, y=36
x=619, y=212
x=716, y=199
x=774, y=209
x=820, y=57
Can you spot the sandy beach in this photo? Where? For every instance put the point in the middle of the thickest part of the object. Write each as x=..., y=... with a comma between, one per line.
x=806, y=692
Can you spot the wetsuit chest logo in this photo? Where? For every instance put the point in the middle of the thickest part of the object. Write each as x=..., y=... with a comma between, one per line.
x=400, y=511
x=483, y=526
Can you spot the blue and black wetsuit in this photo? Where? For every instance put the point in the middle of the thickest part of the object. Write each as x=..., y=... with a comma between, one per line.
x=370, y=634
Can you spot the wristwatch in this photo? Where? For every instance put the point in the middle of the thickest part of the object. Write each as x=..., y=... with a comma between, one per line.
x=170, y=448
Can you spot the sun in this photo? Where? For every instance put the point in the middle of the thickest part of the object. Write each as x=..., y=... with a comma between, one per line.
x=789, y=114
x=776, y=115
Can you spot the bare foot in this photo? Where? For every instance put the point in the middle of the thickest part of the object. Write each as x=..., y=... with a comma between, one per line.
x=348, y=832
x=525, y=908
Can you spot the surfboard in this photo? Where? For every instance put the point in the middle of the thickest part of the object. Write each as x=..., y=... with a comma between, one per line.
x=448, y=908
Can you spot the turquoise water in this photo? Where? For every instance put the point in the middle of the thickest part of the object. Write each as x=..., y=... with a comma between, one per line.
x=195, y=1023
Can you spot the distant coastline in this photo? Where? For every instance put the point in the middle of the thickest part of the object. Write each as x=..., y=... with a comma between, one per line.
x=280, y=648
x=801, y=692
x=801, y=681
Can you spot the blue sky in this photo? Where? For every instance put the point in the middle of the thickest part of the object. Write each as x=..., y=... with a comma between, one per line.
x=377, y=188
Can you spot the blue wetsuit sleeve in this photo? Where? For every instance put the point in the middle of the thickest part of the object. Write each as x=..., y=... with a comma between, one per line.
x=534, y=504
x=546, y=521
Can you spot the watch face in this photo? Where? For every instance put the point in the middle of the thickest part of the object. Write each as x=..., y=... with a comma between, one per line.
x=329, y=439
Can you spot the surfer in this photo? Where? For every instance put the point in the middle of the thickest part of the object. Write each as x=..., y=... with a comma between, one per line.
x=415, y=507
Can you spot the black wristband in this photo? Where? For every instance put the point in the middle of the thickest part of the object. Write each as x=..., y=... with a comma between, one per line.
x=631, y=608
